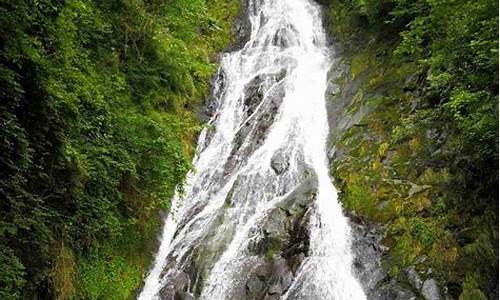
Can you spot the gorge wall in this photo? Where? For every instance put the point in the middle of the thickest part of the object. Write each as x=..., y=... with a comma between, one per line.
x=413, y=113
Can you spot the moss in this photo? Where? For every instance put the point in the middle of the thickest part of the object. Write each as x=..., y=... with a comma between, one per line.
x=392, y=168
x=359, y=63
x=272, y=247
x=470, y=289
x=108, y=140
x=115, y=269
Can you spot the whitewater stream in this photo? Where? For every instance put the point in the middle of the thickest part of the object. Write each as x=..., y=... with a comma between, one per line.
x=259, y=218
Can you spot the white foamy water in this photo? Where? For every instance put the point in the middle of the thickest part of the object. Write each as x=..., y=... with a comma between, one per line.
x=269, y=136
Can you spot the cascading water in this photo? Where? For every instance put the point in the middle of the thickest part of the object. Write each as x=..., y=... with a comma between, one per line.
x=260, y=217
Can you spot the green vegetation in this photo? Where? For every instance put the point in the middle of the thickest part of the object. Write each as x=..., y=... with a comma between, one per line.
x=272, y=247
x=424, y=160
x=97, y=125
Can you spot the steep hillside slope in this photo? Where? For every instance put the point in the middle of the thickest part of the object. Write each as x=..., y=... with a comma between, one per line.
x=96, y=132
x=415, y=136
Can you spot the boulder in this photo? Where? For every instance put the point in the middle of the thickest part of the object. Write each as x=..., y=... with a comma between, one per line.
x=279, y=163
x=413, y=277
x=430, y=290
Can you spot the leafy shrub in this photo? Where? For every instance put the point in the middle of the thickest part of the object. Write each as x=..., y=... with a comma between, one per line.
x=433, y=68
x=96, y=132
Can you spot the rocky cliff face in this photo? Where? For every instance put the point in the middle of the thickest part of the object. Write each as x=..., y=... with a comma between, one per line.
x=411, y=147
x=350, y=108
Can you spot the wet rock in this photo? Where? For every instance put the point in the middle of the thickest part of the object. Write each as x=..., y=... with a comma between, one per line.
x=284, y=274
x=255, y=286
x=208, y=111
x=268, y=280
x=275, y=224
x=340, y=102
x=176, y=287
x=242, y=27
x=272, y=297
x=421, y=259
x=300, y=196
x=298, y=243
x=254, y=93
x=253, y=132
x=244, y=132
x=392, y=291
x=284, y=36
x=368, y=255
x=275, y=289
x=430, y=290
x=190, y=214
x=281, y=277
x=186, y=296
x=279, y=163
x=413, y=277
x=295, y=261
x=333, y=89
x=257, y=282
x=197, y=263
x=231, y=164
x=254, y=90
x=282, y=245
x=285, y=231
x=211, y=104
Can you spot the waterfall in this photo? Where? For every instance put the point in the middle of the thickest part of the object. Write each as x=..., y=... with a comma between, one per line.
x=259, y=217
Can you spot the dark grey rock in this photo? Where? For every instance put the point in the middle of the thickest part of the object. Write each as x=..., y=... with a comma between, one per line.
x=340, y=100
x=392, y=291
x=261, y=112
x=283, y=244
x=254, y=93
x=285, y=230
x=177, y=286
x=367, y=255
x=242, y=27
x=188, y=296
x=272, y=297
x=281, y=277
x=413, y=277
x=255, y=285
x=279, y=163
x=284, y=36
x=267, y=280
x=275, y=289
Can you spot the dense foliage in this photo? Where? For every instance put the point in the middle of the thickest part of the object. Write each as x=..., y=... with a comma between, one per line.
x=96, y=131
x=424, y=159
